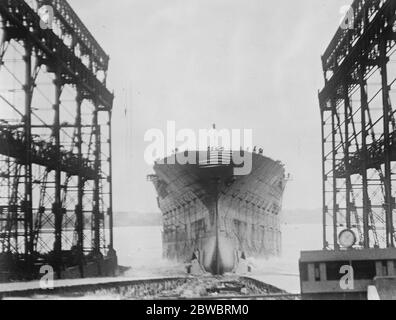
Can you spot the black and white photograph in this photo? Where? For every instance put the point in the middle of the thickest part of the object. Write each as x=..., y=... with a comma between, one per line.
x=194, y=157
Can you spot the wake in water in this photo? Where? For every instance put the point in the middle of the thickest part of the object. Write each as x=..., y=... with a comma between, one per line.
x=140, y=248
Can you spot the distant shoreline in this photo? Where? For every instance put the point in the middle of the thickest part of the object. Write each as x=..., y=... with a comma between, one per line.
x=153, y=219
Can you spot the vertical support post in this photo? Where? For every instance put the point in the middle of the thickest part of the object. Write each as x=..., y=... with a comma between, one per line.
x=364, y=165
x=346, y=157
x=334, y=152
x=57, y=210
x=96, y=196
x=324, y=179
x=110, y=181
x=80, y=192
x=388, y=205
x=28, y=201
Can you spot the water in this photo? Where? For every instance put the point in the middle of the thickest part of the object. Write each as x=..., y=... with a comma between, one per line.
x=141, y=249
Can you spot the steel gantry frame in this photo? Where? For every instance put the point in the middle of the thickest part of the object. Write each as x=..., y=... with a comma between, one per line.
x=358, y=127
x=55, y=144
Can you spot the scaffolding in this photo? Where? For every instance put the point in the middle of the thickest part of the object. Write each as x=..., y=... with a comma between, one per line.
x=358, y=127
x=55, y=144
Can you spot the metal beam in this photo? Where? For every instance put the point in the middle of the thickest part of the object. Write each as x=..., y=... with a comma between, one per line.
x=73, y=24
x=96, y=196
x=58, y=212
x=346, y=157
x=324, y=179
x=80, y=192
x=341, y=43
x=335, y=191
x=27, y=208
x=388, y=203
x=364, y=160
x=19, y=15
x=366, y=42
x=110, y=177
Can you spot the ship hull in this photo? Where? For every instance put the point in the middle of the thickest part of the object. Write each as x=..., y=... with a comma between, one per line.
x=217, y=218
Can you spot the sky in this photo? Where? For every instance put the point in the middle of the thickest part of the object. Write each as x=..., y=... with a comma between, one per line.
x=241, y=64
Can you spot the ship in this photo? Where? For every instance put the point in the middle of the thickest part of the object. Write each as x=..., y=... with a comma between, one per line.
x=215, y=215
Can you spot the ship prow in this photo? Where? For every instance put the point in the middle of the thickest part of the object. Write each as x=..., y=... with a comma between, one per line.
x=217, y=217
